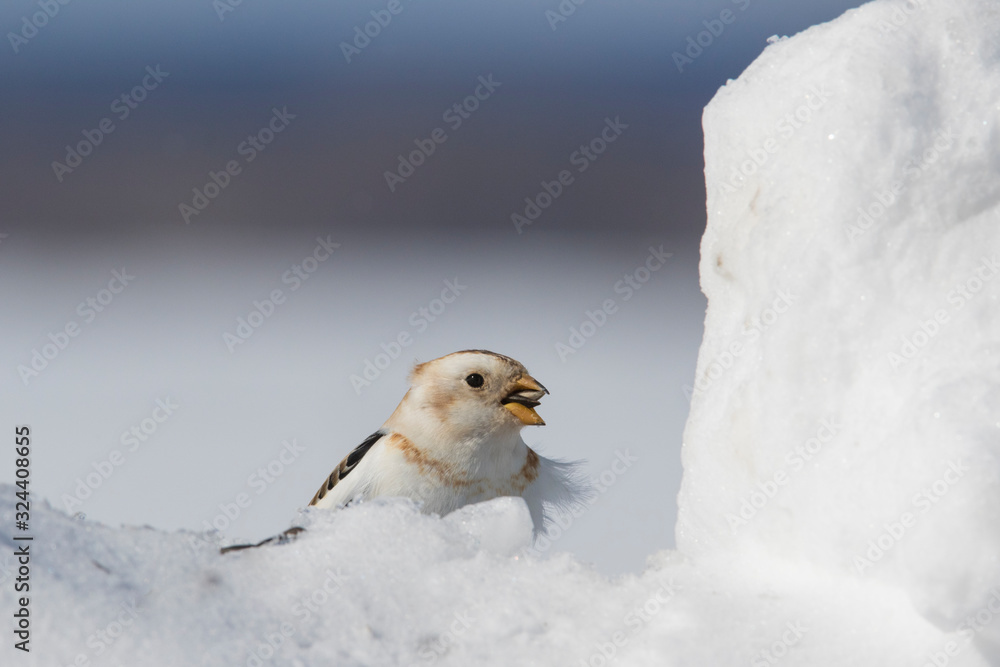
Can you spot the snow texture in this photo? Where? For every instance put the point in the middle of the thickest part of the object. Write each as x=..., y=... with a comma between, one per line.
x=840, y=502
x=850, y=407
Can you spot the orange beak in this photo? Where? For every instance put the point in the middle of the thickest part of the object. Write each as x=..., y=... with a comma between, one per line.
x=522, y=398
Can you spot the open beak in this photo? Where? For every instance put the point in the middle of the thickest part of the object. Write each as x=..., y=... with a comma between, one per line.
x=522, y=398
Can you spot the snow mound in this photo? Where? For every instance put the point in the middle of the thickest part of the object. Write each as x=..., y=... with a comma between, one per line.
x=847, y=400
x=840, y=503
x=383, y=584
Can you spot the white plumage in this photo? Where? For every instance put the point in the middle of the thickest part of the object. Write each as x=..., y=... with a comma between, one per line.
x=455, y=439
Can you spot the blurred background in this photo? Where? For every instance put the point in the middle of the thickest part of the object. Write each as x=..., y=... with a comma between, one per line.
x=220, y=220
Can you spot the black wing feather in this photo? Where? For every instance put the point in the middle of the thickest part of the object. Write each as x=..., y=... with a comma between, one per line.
x=347, y=465
x=361, y=450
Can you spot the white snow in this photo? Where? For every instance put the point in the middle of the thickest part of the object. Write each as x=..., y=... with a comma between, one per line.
x=857, y=427
x=840, y=501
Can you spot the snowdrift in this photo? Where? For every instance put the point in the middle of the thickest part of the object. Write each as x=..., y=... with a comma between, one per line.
x=840, y=502
x=848, y=407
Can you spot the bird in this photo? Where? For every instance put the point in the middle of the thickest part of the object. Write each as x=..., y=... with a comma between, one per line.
x=454, y=440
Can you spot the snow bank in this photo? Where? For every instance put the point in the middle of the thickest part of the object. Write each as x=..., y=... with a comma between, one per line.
x=380, y=584
x=848, y=404
x=840, y=503
x=383, y=584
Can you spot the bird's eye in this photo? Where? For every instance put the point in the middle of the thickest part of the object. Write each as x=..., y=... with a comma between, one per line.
x=474, y=380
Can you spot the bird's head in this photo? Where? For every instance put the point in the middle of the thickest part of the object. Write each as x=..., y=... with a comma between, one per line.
x=477, y=391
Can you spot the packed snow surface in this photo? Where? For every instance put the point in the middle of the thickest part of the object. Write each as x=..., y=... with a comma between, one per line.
x=840, y=502
x=848, y=407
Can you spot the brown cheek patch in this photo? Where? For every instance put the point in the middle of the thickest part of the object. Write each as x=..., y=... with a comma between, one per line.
x=440, y=401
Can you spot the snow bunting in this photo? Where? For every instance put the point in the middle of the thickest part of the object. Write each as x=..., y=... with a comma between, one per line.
x=454, y=440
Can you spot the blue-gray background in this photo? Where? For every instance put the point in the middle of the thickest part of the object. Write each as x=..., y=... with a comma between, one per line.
x=162, y=336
